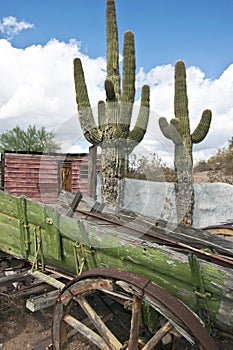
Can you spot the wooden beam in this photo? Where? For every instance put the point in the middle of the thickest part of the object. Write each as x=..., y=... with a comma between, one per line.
x=47, y=279
x=38, y=288
x=97, y=207
x=74, y=204
x=16, y=277
x=42, y=301
x=158, y=336
x=92, y=172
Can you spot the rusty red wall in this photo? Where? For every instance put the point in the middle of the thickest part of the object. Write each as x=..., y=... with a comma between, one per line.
x=78, y=183
x=36, y=175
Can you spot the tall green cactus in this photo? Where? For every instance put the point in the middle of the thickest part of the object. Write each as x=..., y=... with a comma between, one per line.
x=113, y=133
x=179, y=132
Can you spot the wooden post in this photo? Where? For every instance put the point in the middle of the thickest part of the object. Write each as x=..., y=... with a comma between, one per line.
x=92, y=172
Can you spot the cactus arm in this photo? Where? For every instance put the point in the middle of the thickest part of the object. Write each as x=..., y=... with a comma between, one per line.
x=170, y=131
x=203, y=127
x=128, y=92
x=112, y=46
x=101, y=114
x=139, y=130
x=128, y=89
x=181, y=99
x=176, y=123
x=86, y=118
x=80, y=86
x=110, y=91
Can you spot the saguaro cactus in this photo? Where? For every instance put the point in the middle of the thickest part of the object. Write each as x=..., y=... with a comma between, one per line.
x=113, y=133
x=179, y=132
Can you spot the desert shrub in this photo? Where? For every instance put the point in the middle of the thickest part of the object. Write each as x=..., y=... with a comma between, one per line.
x=221, y=165
x=150, y=168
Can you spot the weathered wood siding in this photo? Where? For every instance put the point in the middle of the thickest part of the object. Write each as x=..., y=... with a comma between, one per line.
x=77, y=182
x=37, y=175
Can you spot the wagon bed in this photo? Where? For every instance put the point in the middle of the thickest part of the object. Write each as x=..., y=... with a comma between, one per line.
x=107, y=250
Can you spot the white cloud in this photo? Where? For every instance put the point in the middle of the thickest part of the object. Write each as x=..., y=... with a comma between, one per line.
x=11, y=27
x=37, y=87
x=37, y=84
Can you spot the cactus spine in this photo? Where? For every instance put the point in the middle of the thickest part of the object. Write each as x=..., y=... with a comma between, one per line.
x=113, y=133
x=179, y=132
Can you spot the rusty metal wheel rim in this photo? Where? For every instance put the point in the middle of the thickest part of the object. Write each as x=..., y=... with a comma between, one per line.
x=137, y=289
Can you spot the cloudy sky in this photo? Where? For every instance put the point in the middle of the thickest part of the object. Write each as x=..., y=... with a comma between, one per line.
x=40, y=39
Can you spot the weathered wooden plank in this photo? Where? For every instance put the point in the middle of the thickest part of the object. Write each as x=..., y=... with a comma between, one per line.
x=9, y=220
x=74, y=204
x=41, y=302
x=17, y=277
x=35, y=289
x=189, y=235
x=195, y=236
x=181, y=289
x=69, y=228
x=92, y=172
x=52, y=238
x=47, y=278
x=8, y=204
x=35, y=213
x=9, y=237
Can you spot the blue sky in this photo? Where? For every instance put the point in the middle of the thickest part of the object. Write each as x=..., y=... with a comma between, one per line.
x=39, y=40
x=199, y=32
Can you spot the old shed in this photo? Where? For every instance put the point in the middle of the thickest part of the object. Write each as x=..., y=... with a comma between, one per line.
x=41, y=177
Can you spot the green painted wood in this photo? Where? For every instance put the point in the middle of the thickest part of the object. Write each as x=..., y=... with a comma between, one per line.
x=202, y=296
x=53, y=237
x=8, y=204
x=35, y=213
x=9, y=234
x=23, y=226
x=105, y=246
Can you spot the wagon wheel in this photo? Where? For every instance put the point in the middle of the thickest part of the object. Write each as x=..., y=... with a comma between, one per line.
x=101, y=302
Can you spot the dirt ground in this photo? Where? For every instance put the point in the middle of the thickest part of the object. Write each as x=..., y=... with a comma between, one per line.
x=21, y=329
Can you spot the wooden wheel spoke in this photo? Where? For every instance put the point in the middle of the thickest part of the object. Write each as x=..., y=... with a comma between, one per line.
x=119, y=296
x=59, y=328
x=158, y=336
x=135, y=323
x=96, y=320
x=85, y=331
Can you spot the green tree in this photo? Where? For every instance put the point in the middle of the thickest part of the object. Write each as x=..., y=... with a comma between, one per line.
x=30, y=140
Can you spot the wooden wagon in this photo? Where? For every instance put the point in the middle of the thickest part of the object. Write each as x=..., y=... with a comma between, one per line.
x=148, y=278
